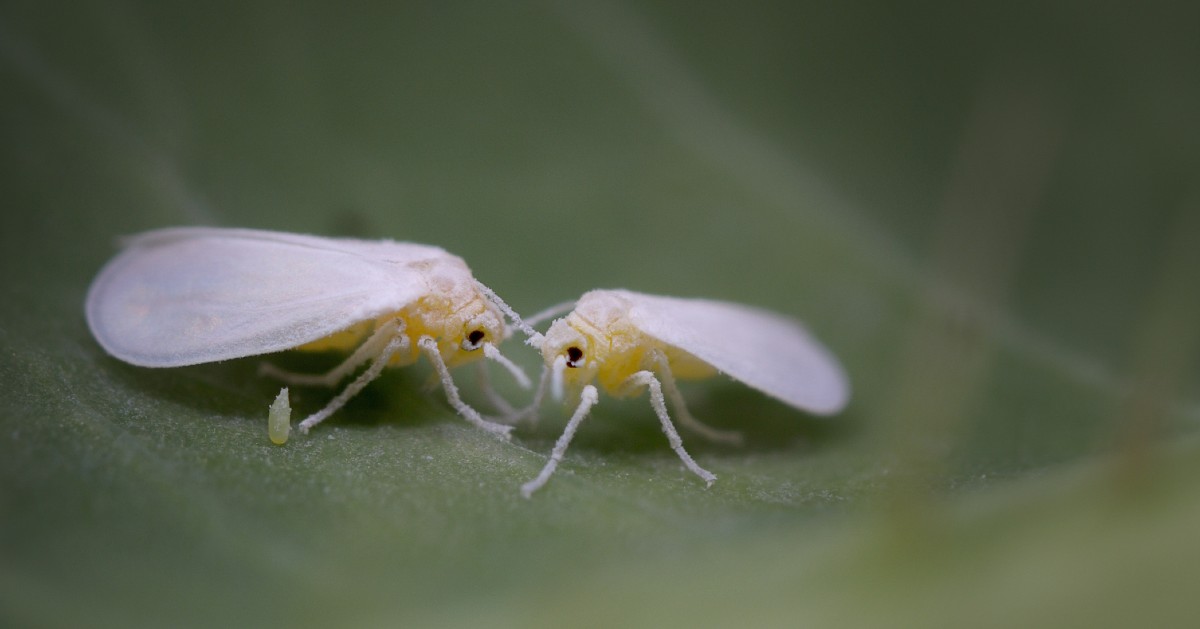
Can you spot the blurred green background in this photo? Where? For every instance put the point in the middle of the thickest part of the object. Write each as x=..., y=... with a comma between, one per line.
x=989, y=212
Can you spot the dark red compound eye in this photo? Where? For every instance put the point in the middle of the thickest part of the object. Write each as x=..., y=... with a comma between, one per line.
x=475, y=337
x=574, y=355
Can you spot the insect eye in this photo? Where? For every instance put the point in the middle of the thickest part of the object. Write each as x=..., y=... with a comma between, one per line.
x=474, y=338
x=574, y=355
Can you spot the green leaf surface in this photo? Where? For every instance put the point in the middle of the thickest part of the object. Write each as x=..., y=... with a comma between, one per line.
x=988, y=212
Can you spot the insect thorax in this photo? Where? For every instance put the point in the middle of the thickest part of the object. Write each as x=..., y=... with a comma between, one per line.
x=450, y=309
x=612, y=349
x=617, y=348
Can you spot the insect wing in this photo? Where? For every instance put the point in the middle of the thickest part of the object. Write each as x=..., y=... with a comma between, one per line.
x=766, y=351
x=194, y=295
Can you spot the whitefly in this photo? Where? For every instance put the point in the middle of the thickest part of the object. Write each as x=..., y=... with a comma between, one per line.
x=185, y=296
x=629, y=342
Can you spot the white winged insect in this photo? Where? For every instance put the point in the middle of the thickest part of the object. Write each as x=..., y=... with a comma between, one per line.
x=629, y=341
x=190, y=295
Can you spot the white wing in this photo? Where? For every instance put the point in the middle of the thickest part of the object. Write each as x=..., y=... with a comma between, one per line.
x=185, y=296
x=769, y=352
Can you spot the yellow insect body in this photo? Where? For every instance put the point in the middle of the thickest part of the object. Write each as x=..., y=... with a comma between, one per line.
x=345, y=340
x=449, y=324
x=614, y=348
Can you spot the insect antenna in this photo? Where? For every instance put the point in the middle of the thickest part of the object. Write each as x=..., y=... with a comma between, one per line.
x=535, y=337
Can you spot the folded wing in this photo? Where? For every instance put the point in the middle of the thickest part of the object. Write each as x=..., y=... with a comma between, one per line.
x=194, y=295
x=766, y=351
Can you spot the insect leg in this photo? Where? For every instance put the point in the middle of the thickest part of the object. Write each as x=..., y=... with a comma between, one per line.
x=491, y=352
x=647, y=379
x=659, y=361
x=538, y=397
x=495, y=399
x=365, y=352
x=587, y=399
x=397, y=344
x=429, y=346
x=531, y=412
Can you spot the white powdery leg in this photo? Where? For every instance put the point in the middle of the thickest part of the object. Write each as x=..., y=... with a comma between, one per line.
x=662, y=366
x=367, y=350
x=429, y=346
x=647, y=379
x=539, y=396
x=495, y=399
x=397, y=344
x=587, y=399
x=491, y=352
x=531, y=412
